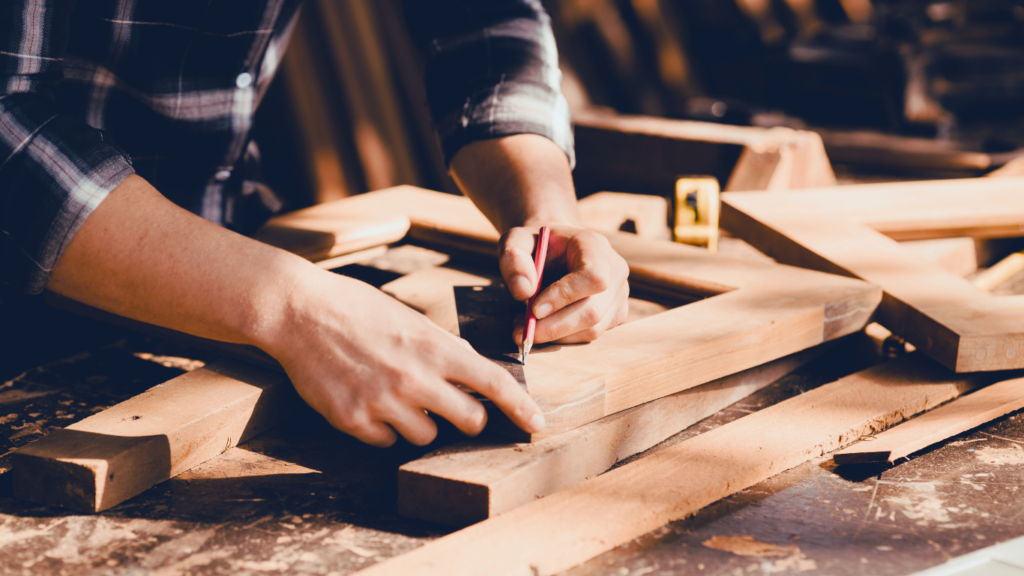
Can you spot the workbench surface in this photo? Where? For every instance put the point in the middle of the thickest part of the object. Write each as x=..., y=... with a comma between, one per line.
x=304, y=498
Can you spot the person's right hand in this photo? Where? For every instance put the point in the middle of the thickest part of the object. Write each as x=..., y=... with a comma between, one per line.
x=371, y=366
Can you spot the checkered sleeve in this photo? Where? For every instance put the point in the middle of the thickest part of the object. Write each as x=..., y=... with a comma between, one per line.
x=491, y=70
x=54, y=169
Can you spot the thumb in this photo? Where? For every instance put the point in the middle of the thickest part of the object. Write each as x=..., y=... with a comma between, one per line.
x=516, y=262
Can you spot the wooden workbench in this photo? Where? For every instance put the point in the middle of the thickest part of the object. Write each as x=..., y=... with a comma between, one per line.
x=307, y=499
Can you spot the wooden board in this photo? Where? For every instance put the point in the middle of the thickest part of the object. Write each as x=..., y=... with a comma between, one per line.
x=958, y=256
x=613, y=211
x=111, y=456
x=759, y=312
x=332, y=229
x=851, y=230
x=647, y=154
x=471, y=481
x=569, y=527
x=944, y=422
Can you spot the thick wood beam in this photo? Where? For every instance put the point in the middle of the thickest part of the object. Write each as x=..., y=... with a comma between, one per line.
x=111, y=456
x=569, y=527
x=851, y=230
x=471, y=481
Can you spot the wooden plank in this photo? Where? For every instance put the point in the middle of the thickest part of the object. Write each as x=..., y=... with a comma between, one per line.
x=611, y=211
x=961, y=415
x=571, y=526
x=759, y=312
x=111, y=456
x=851, y=230
x=958, y=256
x=647, y=154
x=334, y=228
x=472, y=481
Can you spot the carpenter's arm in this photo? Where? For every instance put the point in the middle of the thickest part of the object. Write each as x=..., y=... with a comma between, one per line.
x=368, y=364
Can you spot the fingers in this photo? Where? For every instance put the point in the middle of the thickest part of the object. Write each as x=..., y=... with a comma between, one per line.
x=516, y=262
x=585, y=320
x=414, y=425
x=492, y=381
x=455, y=406
x=593, y=268
x=373, y=433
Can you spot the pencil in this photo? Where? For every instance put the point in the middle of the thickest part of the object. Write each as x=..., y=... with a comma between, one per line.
x=540, y=254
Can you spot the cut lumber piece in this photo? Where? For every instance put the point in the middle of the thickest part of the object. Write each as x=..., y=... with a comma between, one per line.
x=648, y=154
x=961, y=415
x=1000, y=272
x=472, y=481
x=111, y=456
x=759, y=312
x=851, y=230
x=1012, y=169
x=333, y=229
x=957, y=256
x=571, y=526
x=612, y=211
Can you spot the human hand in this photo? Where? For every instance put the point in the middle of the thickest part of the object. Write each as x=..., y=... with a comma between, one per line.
x=589, y=294
x=372, y=367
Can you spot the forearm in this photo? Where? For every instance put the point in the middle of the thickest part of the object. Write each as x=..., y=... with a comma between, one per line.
x=368, y=364
x=521, y=180
x=140, y=256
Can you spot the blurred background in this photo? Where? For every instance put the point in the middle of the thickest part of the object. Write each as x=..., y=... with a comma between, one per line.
x=897, y=89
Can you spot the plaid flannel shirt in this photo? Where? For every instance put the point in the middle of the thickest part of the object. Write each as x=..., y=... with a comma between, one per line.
x=92, y=91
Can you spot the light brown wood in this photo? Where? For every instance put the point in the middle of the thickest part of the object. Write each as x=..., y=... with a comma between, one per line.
x=1000, y=272
x=759, y=312
x=475, y=480
x=571, y=526
x=1012, y=169
x=957, y=256
x=111, y=456
x=610, y=211
x=850, y=230
x=647, y=154
x=334, y=228
x=961, y=415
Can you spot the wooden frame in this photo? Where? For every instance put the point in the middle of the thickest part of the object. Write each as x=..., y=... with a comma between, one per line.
x=758, y=312
x=853, y=230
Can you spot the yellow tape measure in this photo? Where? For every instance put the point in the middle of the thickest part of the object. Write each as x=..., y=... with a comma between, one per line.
x=696, y=212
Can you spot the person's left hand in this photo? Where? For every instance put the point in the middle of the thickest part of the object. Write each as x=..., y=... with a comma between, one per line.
x=587, y=292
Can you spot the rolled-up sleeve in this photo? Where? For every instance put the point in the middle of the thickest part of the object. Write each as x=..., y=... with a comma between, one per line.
x=491, y=71
x=54, y=168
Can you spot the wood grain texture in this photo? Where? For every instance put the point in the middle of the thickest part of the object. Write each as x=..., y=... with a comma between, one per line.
x=334, y=228
x=851, y=230
x=569, y=527
x=759, y=312
x=958, y=256
x=111, y=456
x=958, y=416
x=472, y=481
x=610, y=211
